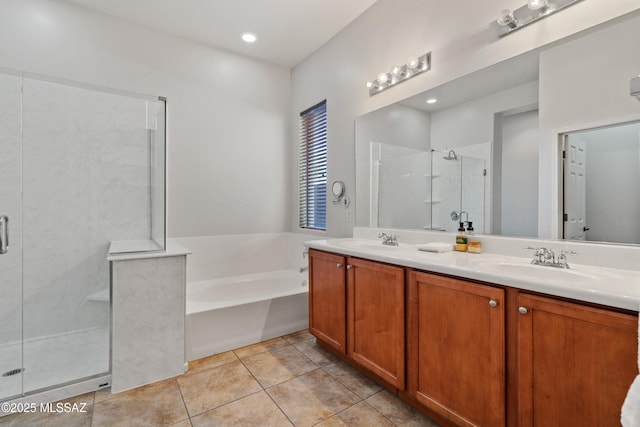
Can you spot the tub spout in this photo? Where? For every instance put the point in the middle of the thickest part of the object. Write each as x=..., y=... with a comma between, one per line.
x=303, y=269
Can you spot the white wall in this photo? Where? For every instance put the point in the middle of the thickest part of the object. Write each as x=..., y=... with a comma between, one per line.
x=519, y=213
x=471, y=123
x=583, y=84
x=228, y=116
x=462, y=39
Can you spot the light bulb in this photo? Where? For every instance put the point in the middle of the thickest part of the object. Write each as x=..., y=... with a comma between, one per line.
x=413, y=63
x=369, y=85
x=506, y=18
x=431, y=101
x=396, y=71
x=537, y=4
x=383, y=78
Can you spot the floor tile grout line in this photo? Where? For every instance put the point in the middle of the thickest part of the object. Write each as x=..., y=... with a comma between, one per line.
x=260, y=352
x=93, y=409
x=197, y=371
x=346, y=386
x=306, y=373
x=224, y=404
x=279, y=408
x=376, y=410
x=295, y=376
x=186, y=408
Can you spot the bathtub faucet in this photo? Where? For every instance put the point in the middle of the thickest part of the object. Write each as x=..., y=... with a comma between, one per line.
x=303, y=269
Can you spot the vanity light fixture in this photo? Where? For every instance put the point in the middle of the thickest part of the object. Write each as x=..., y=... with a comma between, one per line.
x=509, y=21
x=413, y=67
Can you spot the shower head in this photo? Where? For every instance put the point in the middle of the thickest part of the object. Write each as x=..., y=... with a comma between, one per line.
x=451, y=156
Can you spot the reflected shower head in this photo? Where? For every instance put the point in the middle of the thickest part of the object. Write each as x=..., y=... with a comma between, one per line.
x=451, y=156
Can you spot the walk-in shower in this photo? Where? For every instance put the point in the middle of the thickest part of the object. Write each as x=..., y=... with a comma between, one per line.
x=418, y=189
x=80, y=166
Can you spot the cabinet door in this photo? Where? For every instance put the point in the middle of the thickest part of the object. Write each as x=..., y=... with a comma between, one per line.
x=327, y=299
x=457, y=349
x=376, y=318
x=575, y=363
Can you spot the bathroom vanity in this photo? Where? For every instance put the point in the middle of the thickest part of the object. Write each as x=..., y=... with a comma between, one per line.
x=479, y=339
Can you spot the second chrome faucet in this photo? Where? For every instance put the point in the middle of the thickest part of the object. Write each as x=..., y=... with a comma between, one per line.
x=546, y=257
x=388, y=239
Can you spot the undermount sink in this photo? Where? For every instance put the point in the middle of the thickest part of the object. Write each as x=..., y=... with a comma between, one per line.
x=541, y=272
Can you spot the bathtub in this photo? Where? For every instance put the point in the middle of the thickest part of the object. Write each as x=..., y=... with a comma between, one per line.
x=243, y=289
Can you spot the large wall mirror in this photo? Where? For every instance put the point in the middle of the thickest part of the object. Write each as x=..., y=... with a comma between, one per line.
x=477, y=148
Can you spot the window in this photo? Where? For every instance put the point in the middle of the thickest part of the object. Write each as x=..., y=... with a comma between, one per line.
x=313, y=167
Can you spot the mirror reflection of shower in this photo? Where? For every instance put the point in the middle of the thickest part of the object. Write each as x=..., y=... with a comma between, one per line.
x=437, y=186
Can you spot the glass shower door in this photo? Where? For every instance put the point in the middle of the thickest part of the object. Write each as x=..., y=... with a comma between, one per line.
x=10, y=227
x=66, y=309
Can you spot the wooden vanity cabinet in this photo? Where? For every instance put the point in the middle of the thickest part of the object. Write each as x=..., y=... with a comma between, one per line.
x=456, y=349
x=327, y=299
x=476, y=355
x=364, y=301
x=376, y=318
x=575, y=362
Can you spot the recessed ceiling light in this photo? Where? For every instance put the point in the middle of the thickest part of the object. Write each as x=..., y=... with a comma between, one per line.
x=431, y=101
x=249, y=37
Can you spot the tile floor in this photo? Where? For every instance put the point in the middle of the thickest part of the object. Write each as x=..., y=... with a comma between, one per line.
x=281, y=382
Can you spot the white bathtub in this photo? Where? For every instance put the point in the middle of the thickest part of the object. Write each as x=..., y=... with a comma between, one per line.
x=246, y=307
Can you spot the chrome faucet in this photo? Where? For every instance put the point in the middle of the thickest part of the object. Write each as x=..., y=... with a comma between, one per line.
x=546, y=257
x=388, y=239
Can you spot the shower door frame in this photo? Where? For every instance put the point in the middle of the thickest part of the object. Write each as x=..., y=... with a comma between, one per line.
x=100, y=379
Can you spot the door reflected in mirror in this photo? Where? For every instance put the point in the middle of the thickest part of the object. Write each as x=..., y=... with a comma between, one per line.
x=601, y=178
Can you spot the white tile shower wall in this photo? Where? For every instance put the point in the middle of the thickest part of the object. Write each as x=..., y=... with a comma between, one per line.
x=403, y=172
x=473, y=190
x=447, y=190
x=85, y=183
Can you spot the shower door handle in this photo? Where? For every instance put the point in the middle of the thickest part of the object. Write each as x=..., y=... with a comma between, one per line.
x=4, y=234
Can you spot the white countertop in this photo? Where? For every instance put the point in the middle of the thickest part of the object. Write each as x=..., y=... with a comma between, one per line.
x=601, y=285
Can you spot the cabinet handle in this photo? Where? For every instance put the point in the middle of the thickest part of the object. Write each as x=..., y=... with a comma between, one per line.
x=338, y=265
x=349, y=266
x=493, y=303
x=523, y=310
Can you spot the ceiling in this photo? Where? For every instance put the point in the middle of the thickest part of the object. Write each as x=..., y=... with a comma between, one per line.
x=288, y=30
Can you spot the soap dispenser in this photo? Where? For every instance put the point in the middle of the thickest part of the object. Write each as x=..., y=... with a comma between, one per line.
x=474, y=245
x=461, y=239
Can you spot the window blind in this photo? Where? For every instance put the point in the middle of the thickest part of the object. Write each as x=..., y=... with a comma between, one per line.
x=313, y=167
